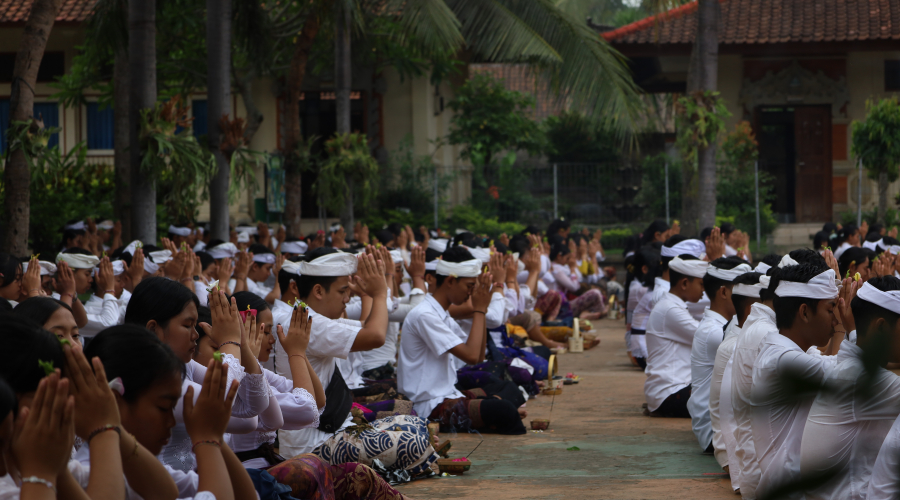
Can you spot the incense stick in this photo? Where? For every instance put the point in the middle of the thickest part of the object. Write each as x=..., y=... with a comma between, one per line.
x=476, y=447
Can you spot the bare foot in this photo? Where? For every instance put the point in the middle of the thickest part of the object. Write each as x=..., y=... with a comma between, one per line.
x=436, y=440
x=591, y=315
x=523, y=413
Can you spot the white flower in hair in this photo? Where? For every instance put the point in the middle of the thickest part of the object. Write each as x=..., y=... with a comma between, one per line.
x=214, y=285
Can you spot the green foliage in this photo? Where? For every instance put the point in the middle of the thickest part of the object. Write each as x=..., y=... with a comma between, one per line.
x=615, y=237
x=489, y=119
x=406, y=187
x=699, y=117
x=468, y=217
x=176, y=161
x=653, y=190
x=891, y=217
x=30, y=137
x=876, y=141
x=347, y=157
x=572, y=137
x=736, y=192
x=65, y=186
x=740, y=147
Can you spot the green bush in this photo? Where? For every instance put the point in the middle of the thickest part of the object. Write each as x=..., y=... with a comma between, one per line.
x=468, y=217
x=574, y=138
x=615, y=238
x=653, y=186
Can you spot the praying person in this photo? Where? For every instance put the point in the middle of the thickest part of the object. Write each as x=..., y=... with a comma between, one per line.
x=264, y=264
x=717, y=283
x=431, y=340
x=807, y=314
x=848, y=423
x=670, y=332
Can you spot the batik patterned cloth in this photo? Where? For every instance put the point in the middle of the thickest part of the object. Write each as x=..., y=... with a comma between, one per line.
x=354, y=481
x=311, y=478
x=400, y=442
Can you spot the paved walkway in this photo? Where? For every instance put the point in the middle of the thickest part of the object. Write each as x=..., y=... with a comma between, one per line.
x=623, y=454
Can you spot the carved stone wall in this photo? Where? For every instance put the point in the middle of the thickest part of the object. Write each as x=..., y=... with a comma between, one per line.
x=795, y=85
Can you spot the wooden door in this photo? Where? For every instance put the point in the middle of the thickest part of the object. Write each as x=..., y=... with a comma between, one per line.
x=812, y=133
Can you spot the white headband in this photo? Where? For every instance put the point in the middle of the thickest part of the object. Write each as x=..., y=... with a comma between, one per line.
x=888, y=300
x=482, y=254
x=294, y=247
x=243, y=237
x=762, y=268
x=180, y=231
x=264, y=258
x=894, y=249
x=223, y=250
x=820, y=287
x=106, y=225
x=691, y=247
x=150, y=267
x=246, y=229
x=333, y=264
x=873, y=245
x=78, y=261
x=438, y=244
x=765, y=281
x=787, y=261
x=75, y=226
x=132, y=247
x=467, y=269
x=334, y=227
x=47, y=268
x=291, y=267
x=727, y=274
x=692, y=268
x=432, y=266
x=161, y=256
x=396, y=256
x=117, y=265
x=751, y=290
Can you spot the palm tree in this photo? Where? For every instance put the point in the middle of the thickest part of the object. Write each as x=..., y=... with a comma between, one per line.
x=704, y=73
x=218, y=89
x=16, y=176
x=142, y=63
x=552, y=36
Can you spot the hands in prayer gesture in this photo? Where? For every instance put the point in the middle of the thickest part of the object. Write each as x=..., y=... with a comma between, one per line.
x=106, y=280
x=45, y=431
x=416, y=266
x=64, y=282
x=843, y=315
x=715, y=245
x=297, y=339
x=338, y=238
x=318, y=241
x=31, y=280
x=97, y=406
x=495, y=265
x=532, y=260
x=481, y=293
x=226, y=321
x=207, y=419
x=252, y=335
x=369, y=277
x=828, y=255
x=242, y=266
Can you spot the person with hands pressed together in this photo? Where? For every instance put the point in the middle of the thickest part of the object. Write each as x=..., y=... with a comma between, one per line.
x=323, y=283
x=64, y=284
x=432, y=340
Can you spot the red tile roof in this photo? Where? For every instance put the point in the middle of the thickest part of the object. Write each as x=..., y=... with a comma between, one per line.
x=772, y=21
x=16, y=11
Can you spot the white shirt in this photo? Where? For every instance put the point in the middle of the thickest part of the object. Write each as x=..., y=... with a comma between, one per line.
x=670, y=331
x=778, y=414
x=709, y=335
x=841, y=249
x=101, y=314
x=258, y=288
x=721, y=414
x=884, y=483
x=636, y=292
x=698, y=308
x=387, y=353
x=848, y=423
x=426, y=372
x=642, y=311
x=759, y=323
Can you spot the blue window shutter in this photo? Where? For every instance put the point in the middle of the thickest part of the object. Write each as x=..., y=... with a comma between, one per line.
x=49, y=111
x=4, y=122
x=199, y=111
x=100, y=126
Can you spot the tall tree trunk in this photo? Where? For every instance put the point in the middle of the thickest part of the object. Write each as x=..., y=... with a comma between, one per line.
x=255, y=117
x=342, y=83
x=218, y=102
x=292, y=132
x=883, y=184
x=689, y=206
x=708, y=59
x=121, y=89
x=142, y=62
x=16, y=177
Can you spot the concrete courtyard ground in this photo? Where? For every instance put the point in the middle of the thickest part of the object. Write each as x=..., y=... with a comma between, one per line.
x=623, y=454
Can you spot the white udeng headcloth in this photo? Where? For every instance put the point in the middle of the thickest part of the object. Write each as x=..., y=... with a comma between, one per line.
x=78, y=261
x=396, y=256
x=762, y=268
x=467, y=269
x=432, y=266
x=727, y=274
x=264, y=258
x=179, y=231
x=751, y=290
x=888, y=300
x=820, y=287
x=787, y=261
x=117, y=265
x=294, y=247
x=482, y=254
x=691, y=247
x=873, y=245
x=333, y=264
x=693, y=268
x=291, y=267
x=161, y=256
x=47, y=268
x=223, y=250
x=438, y=244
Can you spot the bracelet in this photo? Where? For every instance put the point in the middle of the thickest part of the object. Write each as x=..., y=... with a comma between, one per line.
x=111, y=292
x=840, y=331
x=107, y=427
x=297, y=355
x=482, y=312
x=37, y=480
x=67, y=295
x=229, y=342
x=35, y=290
x=134, y=452
x=211, y=442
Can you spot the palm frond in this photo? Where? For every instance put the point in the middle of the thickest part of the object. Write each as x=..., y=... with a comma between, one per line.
x=431, y=22
x=495, y=33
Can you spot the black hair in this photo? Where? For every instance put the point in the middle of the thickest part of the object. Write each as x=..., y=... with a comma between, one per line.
x=786, y=307
x=850, y=256
x=675, y=276
x=384, y=236
x=136, y=356
x=214, y=243
x=865, y=312
x=244, y=299
x=78, y=251
x=206, y=260
x=711, y=284
x=532, y=229
x=454, y=255
x=768, y=294
x=557, y=250
x=873, y=235
x=821, y=239
x=305, y=284
x=431, y=254
x=845, y=233
x=632, y=244
x=8, y=402
x=875, y=228
x=501, y=248
x=771, y=260
x=395, y=227
x=556, y=225
x=5, y=306
x=657, y=226
x=650, y=258
x=27, y=343
x=204, y=315
x=806, y=256
x=39, y=309
x=727, y=228
x=870, y=254
x=888, y=241
x=257, y=249
x=9, y=268
x=740, y=301
x=518, y=243
x=705, y=232
x=158, y=299
x=829, y=227
x=468, y=239
x=285, y=278
x=556, y=240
